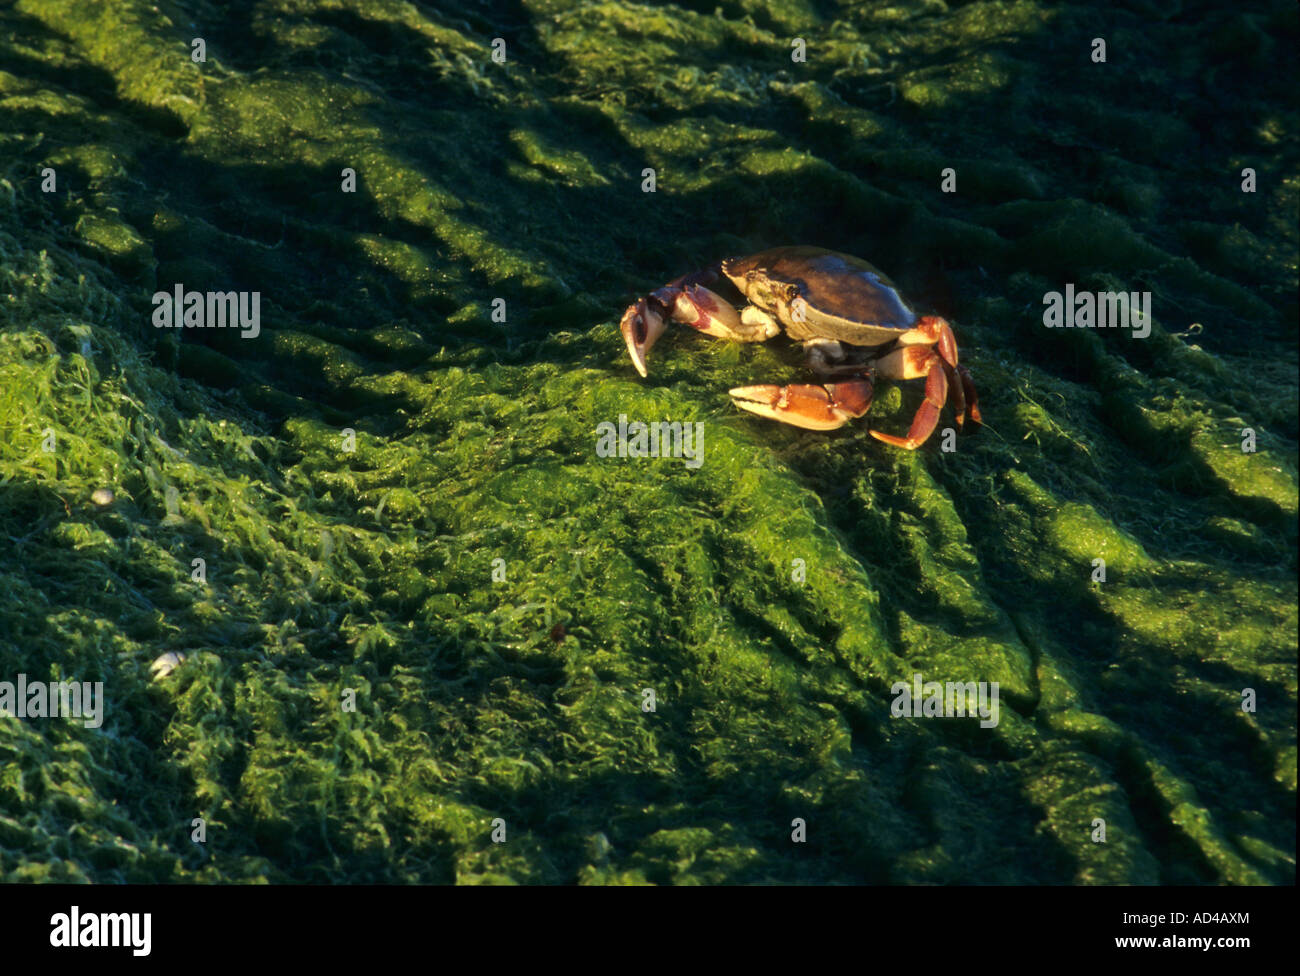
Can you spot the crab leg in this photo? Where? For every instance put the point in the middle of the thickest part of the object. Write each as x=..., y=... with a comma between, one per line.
x=930, y=350
x=929, y=365
x=972, y=401
x=808, y=405
x=965, y=402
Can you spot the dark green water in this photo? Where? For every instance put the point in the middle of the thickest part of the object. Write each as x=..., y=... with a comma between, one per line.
x=372, y=570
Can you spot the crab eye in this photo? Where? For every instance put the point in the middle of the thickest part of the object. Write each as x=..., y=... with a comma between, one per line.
x=638, y=325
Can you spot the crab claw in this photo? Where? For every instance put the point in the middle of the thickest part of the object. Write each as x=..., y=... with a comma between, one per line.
x=641, y=327
x=809, y=406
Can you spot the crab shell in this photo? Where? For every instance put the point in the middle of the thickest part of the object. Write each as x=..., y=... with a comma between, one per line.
x=819, y=294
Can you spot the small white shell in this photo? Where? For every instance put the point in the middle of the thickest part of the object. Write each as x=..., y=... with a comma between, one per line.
x=165, y=664
x=101, y=497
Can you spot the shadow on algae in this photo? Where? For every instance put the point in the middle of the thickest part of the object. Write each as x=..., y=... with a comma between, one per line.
x=372, y=570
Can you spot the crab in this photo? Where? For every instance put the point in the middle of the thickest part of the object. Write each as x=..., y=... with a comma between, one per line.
x=851, y=319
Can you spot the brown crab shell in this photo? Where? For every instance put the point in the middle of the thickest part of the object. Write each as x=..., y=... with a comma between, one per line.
x=819, y=294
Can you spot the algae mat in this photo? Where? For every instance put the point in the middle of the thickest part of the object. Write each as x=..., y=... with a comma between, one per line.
x=412, y=597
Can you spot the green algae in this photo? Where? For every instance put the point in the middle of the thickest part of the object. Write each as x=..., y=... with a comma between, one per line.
x=336, y=572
